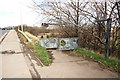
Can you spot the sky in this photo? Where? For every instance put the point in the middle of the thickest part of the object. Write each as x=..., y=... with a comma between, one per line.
x=17, y=12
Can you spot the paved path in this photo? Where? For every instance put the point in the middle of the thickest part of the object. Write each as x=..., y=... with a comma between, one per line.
x=65, y=66
x=13, y=65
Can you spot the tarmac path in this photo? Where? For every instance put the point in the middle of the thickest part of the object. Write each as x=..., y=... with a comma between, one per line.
x=63, y=66
x=12, y=65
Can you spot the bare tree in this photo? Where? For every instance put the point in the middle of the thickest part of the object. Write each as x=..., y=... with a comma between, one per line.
x=77, y=17
x=104, y=10
x=64, y=13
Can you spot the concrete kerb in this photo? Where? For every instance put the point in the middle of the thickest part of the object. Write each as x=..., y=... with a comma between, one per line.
x=2, y=38
x=29, y=57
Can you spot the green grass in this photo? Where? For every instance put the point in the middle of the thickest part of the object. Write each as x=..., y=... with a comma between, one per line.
x=40, y=51
x=42, y=54
x=113, y=64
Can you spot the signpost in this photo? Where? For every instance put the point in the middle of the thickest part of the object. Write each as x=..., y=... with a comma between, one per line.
x=107, y=46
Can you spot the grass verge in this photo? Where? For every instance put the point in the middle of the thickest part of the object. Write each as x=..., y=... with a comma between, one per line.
x=113, y=64
x=42, y=54
x=32, y=37
x=40, y=51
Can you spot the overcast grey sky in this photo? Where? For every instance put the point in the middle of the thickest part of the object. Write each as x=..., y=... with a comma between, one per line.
x=15, y=12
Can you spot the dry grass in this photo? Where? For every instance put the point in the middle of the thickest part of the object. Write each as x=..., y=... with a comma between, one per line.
x=32, y=37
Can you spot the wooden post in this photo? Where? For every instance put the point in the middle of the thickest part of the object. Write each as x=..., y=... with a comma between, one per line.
x=107, y=48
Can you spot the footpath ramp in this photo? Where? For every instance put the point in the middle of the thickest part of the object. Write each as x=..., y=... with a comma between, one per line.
x=13, y=61
x=65, y=66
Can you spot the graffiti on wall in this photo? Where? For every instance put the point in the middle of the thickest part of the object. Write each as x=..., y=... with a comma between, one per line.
x=59, y=43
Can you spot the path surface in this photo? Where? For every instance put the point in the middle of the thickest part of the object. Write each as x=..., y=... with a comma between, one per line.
x=13, y=65
x=65, y=66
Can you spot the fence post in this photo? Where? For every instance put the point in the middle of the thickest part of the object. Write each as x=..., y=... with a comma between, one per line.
x=107, y=47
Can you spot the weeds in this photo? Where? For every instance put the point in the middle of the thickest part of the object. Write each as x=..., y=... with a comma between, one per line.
x=113, y=64
x=22, y=38
x=42, y=54
x=40, y=51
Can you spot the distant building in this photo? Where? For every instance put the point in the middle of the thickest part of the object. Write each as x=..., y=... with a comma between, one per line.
x=51, y=27
x=44, y=24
